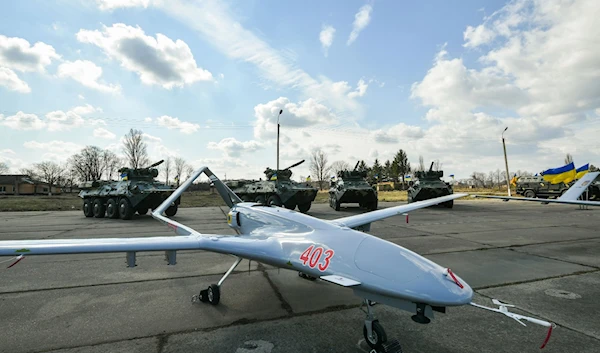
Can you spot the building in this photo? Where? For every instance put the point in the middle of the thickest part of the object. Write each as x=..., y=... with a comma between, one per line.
x=21, y=184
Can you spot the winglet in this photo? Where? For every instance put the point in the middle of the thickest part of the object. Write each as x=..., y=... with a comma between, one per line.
x=342, y=281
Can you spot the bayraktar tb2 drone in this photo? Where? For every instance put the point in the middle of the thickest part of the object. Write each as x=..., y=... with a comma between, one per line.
x=338, y=251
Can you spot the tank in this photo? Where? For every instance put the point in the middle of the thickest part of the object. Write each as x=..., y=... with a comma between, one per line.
x=428, y=185
x=278, y=190
x=352, y=187
x=138, y=191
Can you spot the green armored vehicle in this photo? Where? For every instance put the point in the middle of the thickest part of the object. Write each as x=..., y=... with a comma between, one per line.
x=351, y=187
x=136, y=192
x=277, y=190
x=428, y=186
x=537, y=186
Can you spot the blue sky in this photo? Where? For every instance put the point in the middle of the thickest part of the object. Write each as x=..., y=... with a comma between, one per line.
x=203, y=80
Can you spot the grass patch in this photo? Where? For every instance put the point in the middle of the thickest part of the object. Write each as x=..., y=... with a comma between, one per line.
x=72, y=202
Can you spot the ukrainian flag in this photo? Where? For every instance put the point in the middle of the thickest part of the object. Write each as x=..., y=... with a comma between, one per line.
x=123, y=176
x=513, y=181
x=582, y=170
x=564, y=174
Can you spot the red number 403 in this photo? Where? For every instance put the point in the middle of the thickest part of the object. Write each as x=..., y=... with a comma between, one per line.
x=312, y=257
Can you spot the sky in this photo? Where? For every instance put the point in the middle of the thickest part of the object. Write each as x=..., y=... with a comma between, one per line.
x=205, y=81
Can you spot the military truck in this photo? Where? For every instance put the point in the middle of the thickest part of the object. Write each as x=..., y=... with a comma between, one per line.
x=277, y=190
x=428, y=185
x=138, y=191
x=352, y=187
x=536, y=186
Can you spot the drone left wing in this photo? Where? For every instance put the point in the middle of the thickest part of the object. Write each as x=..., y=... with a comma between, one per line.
x=364, y=219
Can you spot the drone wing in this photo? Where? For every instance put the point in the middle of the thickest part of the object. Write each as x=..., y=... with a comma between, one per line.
x=361, y=220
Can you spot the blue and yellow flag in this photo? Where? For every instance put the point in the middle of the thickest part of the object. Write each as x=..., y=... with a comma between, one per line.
x=124, y=176
x=513, y=181
x=564, y=174
x=582, y=170
x=274, y=176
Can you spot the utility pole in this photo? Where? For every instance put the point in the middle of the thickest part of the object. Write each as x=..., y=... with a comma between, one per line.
x=280, y=111
x=506, y=162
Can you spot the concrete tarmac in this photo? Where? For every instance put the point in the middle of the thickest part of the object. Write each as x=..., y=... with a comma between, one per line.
x=545, y=259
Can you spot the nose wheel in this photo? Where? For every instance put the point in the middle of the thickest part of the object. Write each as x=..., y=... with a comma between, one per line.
x=375, y=335
x=212, y=294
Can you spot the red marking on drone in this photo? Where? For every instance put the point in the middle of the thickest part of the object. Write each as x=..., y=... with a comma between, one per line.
x=454, y=278
x=311, y=257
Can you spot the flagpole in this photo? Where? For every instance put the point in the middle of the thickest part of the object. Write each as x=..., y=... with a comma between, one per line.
x=506, y=162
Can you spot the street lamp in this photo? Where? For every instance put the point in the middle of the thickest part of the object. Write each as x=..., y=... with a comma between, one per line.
x=506, y=162
x=280, y=111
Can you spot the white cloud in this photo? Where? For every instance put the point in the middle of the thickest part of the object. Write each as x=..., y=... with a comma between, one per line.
x=17, y=54
x=174, y=123
x=85, y=109
x=10, y=80
x=158, y=61
x=361, y=20
x=80, y=97
x=234, y=148
x=476, y=36
x=61, y=121
x=87, y=73
x=104, y=134
x=361, y=89
x=55, y=147
x=22, y=121
x=151, y=138
x=114, y=4
x=148, y=120
x=301, y=114
x=326, y=37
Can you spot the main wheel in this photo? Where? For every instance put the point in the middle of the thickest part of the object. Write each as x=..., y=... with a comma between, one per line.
x=304, y=207
x=529, y=194
x=112, y=209
x=99, y=209
x=274, y=200
x=378, y=337
x=449, y=204
x=88, y=207
x=142, y=211
x=214, y=294
x=171, y=211
x=125, y=209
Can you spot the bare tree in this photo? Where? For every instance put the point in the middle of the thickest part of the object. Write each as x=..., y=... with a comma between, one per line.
x=339, y=166
x=437, y=165
x=111, y=164
x=90, y=163
x=319, y=167
x=568, y=158
x=3, y=168
x=167, y=168
x=50, y=172
x=189, y=170
x=180, y=165
x=135, y=149
x=478, y=179
x=421, y=164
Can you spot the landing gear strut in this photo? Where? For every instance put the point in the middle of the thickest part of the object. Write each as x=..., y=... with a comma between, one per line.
x=212, y=294
x=375, y=335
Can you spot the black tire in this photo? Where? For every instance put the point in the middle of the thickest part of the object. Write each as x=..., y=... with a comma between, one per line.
x=99, y=208
x=125, y=209
x=214, y=294
x=171, y=211
x=373, y=205
x=260, y=199
x=142, y=211
x=449, y=204
x=112, y=208
x=529, y=194
x=336, y=204
x=379, y=335
x=203, y=295
x=304, y=207
x=88, y=207
x=290, y=205
x=274, y=200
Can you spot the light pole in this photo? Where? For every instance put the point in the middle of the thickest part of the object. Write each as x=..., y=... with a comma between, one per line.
x=280, y=111
x=506, y=162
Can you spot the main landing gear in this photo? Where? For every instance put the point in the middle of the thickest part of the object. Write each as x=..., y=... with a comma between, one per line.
x=375, y=335
x=212, y=294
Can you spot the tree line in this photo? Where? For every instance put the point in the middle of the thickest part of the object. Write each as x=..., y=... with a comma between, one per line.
x=94, y=163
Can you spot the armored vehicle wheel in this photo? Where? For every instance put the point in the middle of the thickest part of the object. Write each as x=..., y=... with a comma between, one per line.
x=142, y=211
x=449, y=204
x=260, y=199
x=125, y=209
x=88, y=207
x=171, y=211
x=274, y=200
x=336, y=203
x=112, y=208
x=378, y=336
x=529, y=193
x=290, y=205
x=373, y=206
x=304, y=207
x=99, y=209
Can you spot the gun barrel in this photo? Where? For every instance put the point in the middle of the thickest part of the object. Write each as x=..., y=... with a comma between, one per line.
x=155, y=164
x=431, y=167
x=356, y=166
x=295, y=165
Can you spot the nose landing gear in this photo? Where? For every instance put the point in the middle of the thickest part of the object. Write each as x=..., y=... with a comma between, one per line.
x=375, y=335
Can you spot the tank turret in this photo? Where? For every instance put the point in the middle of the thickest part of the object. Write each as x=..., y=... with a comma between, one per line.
x=428, y=186
x=283, y=174
x=352, y=187
x=146, y=173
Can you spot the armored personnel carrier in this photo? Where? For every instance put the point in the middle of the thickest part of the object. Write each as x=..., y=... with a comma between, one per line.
x=277, y=190
x=428, y=186
x=352, y=187
x=136, y=192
